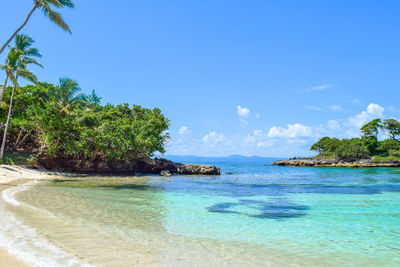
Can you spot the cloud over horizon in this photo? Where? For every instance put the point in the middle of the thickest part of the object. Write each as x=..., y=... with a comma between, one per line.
x=292, y=140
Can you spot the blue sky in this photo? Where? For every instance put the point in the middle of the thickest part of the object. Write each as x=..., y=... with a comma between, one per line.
x=234, y=77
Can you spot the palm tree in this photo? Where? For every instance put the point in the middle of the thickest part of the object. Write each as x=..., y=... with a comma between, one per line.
x=19, y=58
x=47, y=7
x=93, y=98
x=65, y=95
x=13, y=69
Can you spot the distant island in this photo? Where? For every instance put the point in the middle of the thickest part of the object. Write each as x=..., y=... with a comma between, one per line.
x=366, y=151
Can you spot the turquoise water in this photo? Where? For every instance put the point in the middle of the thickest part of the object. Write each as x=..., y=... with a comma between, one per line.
x=260, y=215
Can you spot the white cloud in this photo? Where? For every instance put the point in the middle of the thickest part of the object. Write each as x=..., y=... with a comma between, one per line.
x=336, y=107
x=373, y=111
x=243, y=112
x=320, y=87
x=257, y=115
x=292, y=140
x=213, y=138
x=293, y=131
x=184, y=131
x=314, y=108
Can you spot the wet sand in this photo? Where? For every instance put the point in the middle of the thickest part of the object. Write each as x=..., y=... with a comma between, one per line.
x=11, y=176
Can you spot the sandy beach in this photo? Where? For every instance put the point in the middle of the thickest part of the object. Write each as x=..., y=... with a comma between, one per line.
x=11, y=176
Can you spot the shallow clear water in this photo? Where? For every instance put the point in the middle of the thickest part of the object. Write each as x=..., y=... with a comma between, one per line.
x=259, y=215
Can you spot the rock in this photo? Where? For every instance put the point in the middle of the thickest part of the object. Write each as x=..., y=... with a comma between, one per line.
x=165, y=173
x=332, y=162
x=146, y=166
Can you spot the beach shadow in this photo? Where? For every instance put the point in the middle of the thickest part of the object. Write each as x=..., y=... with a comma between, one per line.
x=115, y=183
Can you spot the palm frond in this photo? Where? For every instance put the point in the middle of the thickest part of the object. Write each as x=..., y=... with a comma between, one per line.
x=67, y=3
x=23, y=41
x=54, y=3
x=55, y=17
x=33, y=52
x=26, y=61
x=27, y=75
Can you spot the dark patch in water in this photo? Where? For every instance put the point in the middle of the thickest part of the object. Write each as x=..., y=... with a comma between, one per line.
x=278, y=209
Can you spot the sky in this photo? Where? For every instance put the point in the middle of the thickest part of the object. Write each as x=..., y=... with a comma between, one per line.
x=256, y=77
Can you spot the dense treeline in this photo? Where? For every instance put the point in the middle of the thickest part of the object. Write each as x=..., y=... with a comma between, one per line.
x=54, y=119
x=366, y=146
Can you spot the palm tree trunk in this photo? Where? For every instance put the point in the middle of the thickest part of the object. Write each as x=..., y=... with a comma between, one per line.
x=3, y=144
x=4, y=87
x=19, y=28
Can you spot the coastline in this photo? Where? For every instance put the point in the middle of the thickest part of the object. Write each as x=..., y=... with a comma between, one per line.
x=12, y=176
x=336, y=163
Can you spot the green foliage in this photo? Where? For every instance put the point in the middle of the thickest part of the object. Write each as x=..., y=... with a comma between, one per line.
x=388, y=145
x=366, y=146
x=48, y=9
x=16, y=158
x=326, y=145
x=392, y=127
x=58, y=119
x=371, y=143
x=371, y=129
x=352, y=149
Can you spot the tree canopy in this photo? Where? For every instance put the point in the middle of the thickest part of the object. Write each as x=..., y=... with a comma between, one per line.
x=59, y=119
x=366, y=146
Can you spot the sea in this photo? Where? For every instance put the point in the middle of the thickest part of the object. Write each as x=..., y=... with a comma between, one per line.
x=253, y=214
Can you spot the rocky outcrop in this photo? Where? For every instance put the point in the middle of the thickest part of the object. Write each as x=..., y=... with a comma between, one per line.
x=321, y=162
x=143, y=166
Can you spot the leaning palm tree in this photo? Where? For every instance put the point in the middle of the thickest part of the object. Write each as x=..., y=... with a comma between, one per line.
x=25, y=55
x=16, y=65
x=22, y=56
x=47, y=7
x=14, y=69
x=65, y=95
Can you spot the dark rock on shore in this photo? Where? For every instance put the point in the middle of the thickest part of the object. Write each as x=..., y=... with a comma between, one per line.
x=142, y=166
x=321, y=162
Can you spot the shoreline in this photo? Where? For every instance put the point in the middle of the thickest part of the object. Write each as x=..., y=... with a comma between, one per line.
x=336, y=163
x=13, y=176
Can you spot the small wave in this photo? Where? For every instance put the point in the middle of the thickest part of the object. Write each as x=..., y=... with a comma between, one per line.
x=24, y=242
x=9, y=195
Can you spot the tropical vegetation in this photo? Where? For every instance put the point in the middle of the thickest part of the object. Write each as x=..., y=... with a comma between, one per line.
x=366, y=146
x=54, y=119
x=58, y=119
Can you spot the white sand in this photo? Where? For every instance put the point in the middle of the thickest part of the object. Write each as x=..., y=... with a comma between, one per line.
x=13, y=176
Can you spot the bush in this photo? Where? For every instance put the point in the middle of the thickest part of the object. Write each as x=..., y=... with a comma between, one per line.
x=326, y=145
x=352, y=149
x=394, y=153
x=58, y=121
x=388, y=145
